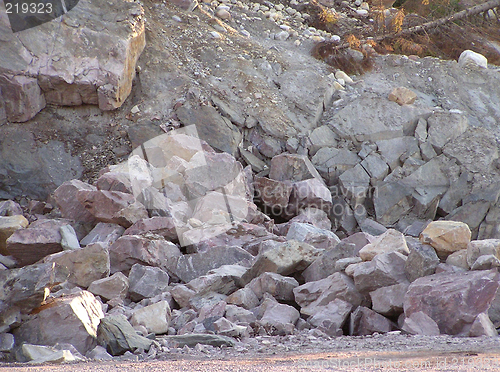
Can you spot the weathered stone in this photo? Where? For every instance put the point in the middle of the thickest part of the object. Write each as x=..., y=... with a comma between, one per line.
x=7, y=342
x=391, y=201
x=281, y=317
x=7, y=227
x=31, y=84
x=356, y=121
x=224, y=327
x=106, y=233
x=402, y=96
x=220, y=280
x=384, y=270
x=318, y=238
x=237, y=314
x=446, y=237
x=490, y=227
x=155, y=317
x=376, y=167
x=422, y=260
x=389, y=300
x=458, y=258
x=365, y=321
x=331, y=162
x=146, y=282
x=287, y=258
x=292, y=167
x=486, y=262
x=395, y=150
x=273, y=194
x=114, y=181
x=28, y=246
x=112, y=206
x=419, y=323
x=117, y=335
x=113, y=287
x=131, y=249
x=38, y=354
x=343, y=263
x=326, y=264
x=9, y=208
x=475, y=150
x=216, y=130
x=477, y=248
x=244, y=297
x=84, y=265
x=99, y=353
x=192, y=340
x=66, y=199
x=310, y=193
x=355, y=183
x=453, y=301
x=445, y=127
x=482, y=326
x=471, y=59
x=471, y=214
x=321, y=137
x=313, y=295
x=280, y=287
x=331, y=317
x=494, y=310
x=191, y=266
x=390, y=241
x=163, y=226
x=313, y=216
x=69, y=240
x=71, y=319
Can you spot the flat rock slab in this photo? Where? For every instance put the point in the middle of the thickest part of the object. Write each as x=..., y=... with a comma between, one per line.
x=63, y=62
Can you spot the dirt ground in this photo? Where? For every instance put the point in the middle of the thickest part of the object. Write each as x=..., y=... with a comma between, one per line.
x=305, y=352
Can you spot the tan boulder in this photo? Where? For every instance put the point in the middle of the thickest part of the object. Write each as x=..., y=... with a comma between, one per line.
x=390, y=241
x=446, y=237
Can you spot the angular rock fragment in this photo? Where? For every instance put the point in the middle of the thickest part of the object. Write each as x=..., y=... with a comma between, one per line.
x=244, y=297
x=280, y=319
x=66, y=199
x=446, y=237
x=453, y=301
x=390, y=241
x=332, y=317
x=106, y=233
x=155, y=318
x=8, y=225
x=71, y=319
x=365, y=321
x=111, y=288
x=422, y=260
x=84, y=265
x=192, y=340
x=389, y=300
x=117, y=335
x=326, y=264
x=278, y=286
x=28, y=246
x=146, y=282
x=292, y=167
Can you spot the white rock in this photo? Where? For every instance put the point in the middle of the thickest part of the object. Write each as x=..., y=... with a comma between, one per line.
x=468, y=58
x=283, y=35
x=362, y=12
x=342, y=75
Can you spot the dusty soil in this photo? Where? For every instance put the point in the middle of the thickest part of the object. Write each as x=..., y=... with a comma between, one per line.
x=306, y=352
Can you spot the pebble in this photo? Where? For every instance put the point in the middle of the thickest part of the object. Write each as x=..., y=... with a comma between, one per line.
x=342, y=75
x=135, y=109
x=176, y=18
x=337, y=86
x=283, y=35
x=362, y=12
x=245, y=33
x=215, y=35
x=223, y=14
x=365, y=6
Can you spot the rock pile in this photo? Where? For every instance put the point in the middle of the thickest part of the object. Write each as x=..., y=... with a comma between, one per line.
x=156, y=255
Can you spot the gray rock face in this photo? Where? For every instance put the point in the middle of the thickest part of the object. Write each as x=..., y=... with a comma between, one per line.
x=285, y=259
x=280, y=317
x=28, y=83
x=114, y=287
x=453, y=301
x=146, y=282
x=24, y=289
x=84, y=265
x=389, y=300
x=365, y=321
x=131, y=249
x=30, y=245
x=318, y=238
x=191, y=266
x=332, y=317
x=155, y=318
x=106, y=233
x=384, y=270
x=192, y=339
x=278, y=286
x=313, y=295
x=445, y=127
x=71, y=319
x=117, y=335
x=422, y=260
x=326, y=264
x=292, y=167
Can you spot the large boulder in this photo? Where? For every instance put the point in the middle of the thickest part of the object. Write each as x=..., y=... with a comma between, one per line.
x=117, y=335
x=446, y=237
x=28, y=246
x=71, y=319
x=331, y=318
x=365, y=321
x=292, y=167
x=146, y=282
x=278, y=286
x=287, y=258
x=28, y=83
x=84, y=265
x=155, y=318
x=453, y=301
x=390, y=241
x=422, y=260
x=114, y=287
